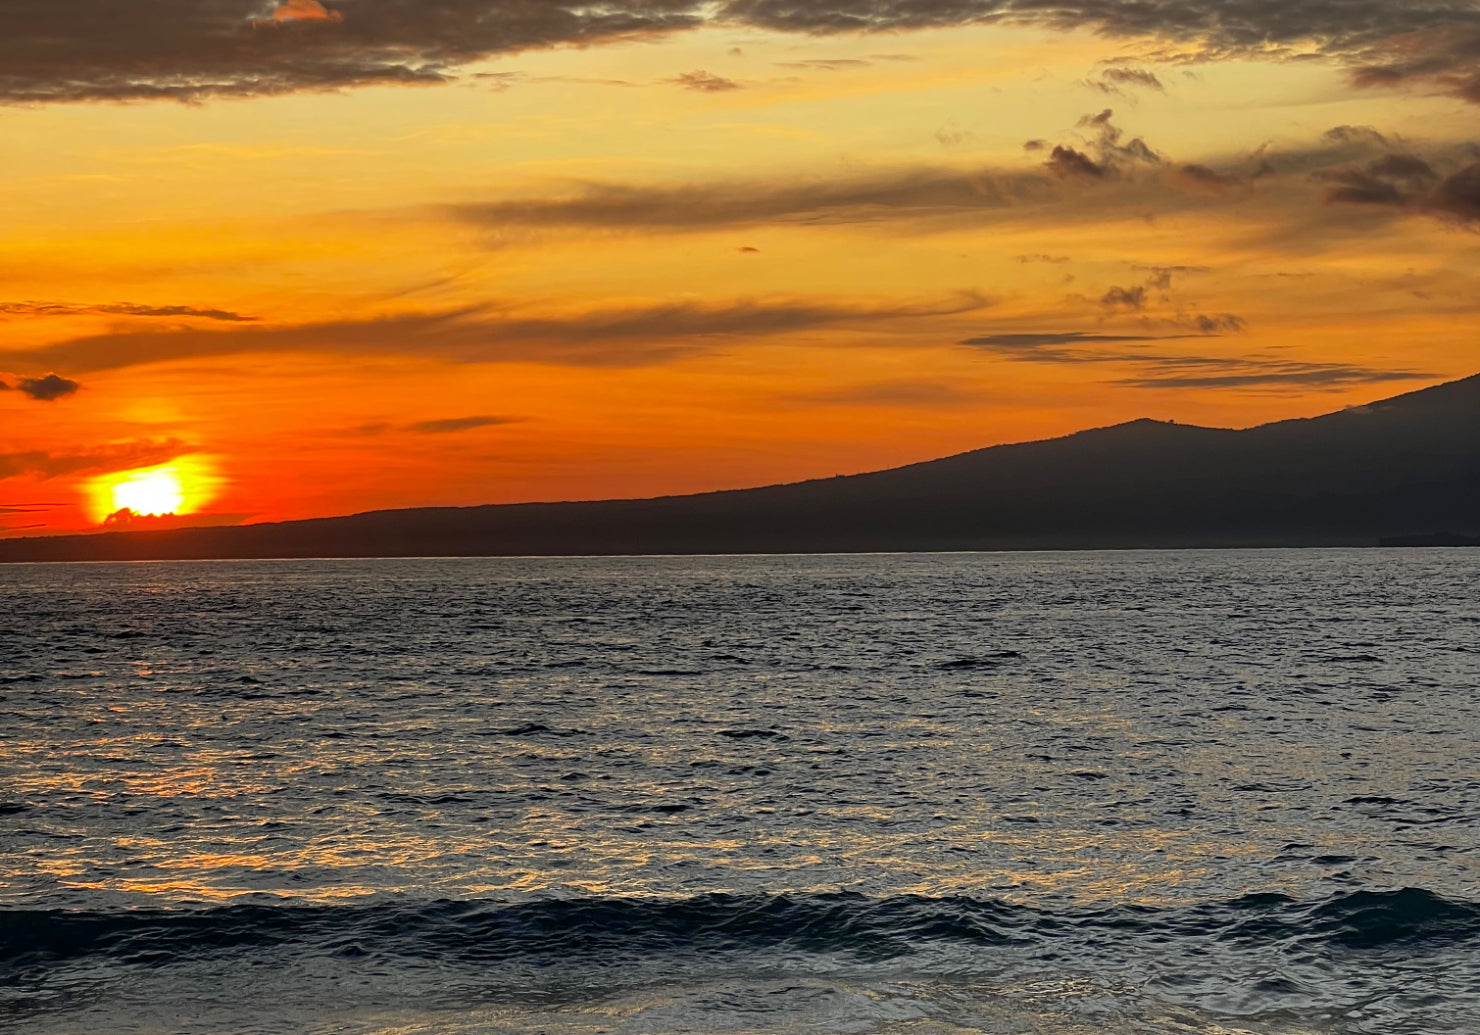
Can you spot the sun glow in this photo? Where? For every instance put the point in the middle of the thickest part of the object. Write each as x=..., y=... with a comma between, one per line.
x=153, y=492
x=173, y=489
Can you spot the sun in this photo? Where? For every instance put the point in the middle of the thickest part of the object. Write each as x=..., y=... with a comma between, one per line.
x=150, y=493
x=175, y=489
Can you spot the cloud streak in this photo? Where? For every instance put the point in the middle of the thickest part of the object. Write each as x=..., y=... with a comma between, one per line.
x=101, y=460
x=1053, y=339
x=1266, y=373
x=701, y=81
x=33, y=308
x=1182, y=370
x=633, y=336
x=904, y=393
x=1100, y=174
x=915, y=192
x=452, y=425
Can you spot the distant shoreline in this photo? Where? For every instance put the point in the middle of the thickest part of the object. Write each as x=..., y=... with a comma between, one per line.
x=1400, y=472
x=1404, y=543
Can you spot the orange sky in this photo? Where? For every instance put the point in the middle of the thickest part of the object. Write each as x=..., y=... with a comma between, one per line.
x=320, y=258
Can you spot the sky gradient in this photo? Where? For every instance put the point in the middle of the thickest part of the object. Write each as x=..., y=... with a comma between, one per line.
x=316, y=258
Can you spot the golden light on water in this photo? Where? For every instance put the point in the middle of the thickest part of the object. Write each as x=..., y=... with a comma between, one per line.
x=174, y=489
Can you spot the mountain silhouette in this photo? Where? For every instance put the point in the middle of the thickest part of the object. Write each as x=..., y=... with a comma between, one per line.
x=1402, y=470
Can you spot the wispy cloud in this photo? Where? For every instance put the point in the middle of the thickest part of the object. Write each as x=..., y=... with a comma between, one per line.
x=1052, y=339
x=34, y=308
x=826, y=64
x=705, y=82
x=629, y=336
x=1118, y=80
x=909, y=192
x=902, y=392
x=1267, y=373
x=100, y=460
x=1155, y=369
x=451, y=425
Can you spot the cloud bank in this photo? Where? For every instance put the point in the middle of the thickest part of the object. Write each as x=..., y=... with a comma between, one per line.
x=190, y=50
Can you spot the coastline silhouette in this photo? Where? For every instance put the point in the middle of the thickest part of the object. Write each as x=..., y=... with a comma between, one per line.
x=1401, y=471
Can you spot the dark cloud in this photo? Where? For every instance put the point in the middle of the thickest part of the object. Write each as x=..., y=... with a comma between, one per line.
x=613, y=337
x=1403, y=167
x=121, y=457
x=1200, y=177
x=1356, y=187
x=1124, y=298
x=47, y=388
x=1067, y=163
x=704, y=82
x=1116, y=80
x=1390, y=179
x=1112, y=153
x=1111, y=156
x=1386, y=43
x=1228, y=24
x=1221, y=323
x=1459, y=195
x=454, y=424
x=116, y=309
x=1040, y=257
x=1447, y=61
x=196, y=49
x=1404, y=181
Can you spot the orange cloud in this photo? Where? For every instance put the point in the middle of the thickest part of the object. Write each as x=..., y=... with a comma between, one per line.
x=304, y=11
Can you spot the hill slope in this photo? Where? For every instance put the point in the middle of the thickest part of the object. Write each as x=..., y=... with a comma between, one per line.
x=1405, y=466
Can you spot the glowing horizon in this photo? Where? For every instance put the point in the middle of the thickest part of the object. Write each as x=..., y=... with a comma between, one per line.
x=715, y=247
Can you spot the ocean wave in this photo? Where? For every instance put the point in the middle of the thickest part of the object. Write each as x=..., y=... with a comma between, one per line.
x=842, y=924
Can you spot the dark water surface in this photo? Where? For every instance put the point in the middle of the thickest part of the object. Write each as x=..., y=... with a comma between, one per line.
x=1214, y=792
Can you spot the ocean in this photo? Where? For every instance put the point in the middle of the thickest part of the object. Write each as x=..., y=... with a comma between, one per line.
x=1141, y=792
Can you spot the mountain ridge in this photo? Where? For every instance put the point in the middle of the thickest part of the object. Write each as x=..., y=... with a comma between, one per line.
x=1398, y=468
